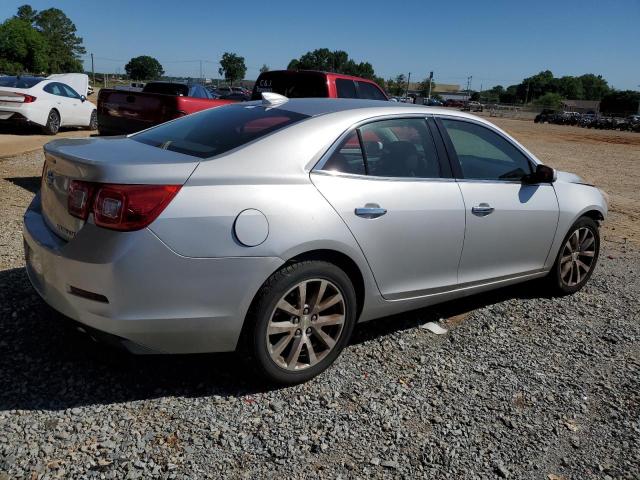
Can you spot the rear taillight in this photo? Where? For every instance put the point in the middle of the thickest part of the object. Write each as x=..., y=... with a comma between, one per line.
x=79, y=198
x=119, y=207
x=18, y=98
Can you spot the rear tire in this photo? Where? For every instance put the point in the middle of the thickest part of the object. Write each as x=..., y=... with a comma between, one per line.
x=577, y=257
x=53, y=123
x=300, y=321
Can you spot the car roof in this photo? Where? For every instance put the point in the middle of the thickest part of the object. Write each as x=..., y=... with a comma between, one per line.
x=314, y=107
x=320, y=72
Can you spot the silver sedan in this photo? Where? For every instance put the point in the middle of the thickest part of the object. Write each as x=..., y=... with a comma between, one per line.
x=273, y=227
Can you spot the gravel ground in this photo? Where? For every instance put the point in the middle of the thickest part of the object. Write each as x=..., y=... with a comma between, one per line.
x=522, y=386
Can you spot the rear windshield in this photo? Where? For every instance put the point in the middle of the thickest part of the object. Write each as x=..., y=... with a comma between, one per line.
x=167, y=88
x=291, y=84
x=19, y=82
x=218, y=130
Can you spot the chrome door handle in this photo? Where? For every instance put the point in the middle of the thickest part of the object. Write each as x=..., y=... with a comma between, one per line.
x=370, y=211
x=482, y=210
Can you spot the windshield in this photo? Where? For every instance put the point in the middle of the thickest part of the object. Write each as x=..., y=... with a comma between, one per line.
x=291, y=84
x=166, y=88
x=19, y=82
x=218, y=130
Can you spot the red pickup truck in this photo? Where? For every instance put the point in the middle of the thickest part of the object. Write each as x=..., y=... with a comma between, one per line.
x=123, y=112
x=311, y=83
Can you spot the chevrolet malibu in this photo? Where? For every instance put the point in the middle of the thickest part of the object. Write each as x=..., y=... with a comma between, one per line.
x=274, y=226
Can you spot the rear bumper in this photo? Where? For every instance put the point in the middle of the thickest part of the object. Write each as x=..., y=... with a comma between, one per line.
x=156, y=301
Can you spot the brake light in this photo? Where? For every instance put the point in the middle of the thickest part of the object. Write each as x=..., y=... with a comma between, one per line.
x=79, y=198
x=119, y=207
x=18, y=98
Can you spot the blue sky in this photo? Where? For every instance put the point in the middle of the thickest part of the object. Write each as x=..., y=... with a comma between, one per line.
x=498, y=42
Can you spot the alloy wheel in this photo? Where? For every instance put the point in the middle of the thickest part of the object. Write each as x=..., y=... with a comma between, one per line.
x=306, y=324
x=54, y=121
x=578, y=255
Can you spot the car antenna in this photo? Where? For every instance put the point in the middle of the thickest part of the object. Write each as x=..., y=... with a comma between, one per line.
x=270, y=99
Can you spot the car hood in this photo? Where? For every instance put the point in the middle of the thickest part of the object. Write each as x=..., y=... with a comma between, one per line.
x=569, y=177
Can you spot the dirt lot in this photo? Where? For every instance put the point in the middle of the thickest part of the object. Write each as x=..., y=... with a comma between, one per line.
x=523, y=385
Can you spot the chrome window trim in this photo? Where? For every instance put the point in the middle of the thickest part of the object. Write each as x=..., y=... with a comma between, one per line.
x=385, y=179
x=318, y=168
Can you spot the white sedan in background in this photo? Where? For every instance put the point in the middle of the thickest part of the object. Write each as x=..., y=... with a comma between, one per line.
x=46, y=102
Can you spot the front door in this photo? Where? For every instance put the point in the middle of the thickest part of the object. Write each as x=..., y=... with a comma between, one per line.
x=398, y=199
x=510, y=225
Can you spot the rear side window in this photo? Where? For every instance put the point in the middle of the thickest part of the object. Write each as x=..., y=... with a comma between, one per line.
x=55, y=89
x=485, y=155
x=346, y=88
x=400, y=148
x=370, y=92
x=291, y=84
x=347, y=158
x=218, y=130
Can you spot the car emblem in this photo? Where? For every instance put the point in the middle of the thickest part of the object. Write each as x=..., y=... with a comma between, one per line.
x=50, y=178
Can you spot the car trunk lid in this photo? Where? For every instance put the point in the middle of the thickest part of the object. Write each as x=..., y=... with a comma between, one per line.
x=113, y=160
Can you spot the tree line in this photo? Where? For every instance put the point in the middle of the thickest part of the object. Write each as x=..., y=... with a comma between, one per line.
x=39, y=42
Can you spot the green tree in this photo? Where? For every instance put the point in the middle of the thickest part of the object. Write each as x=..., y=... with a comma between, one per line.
x=620, y=102
x=27, y=13
x=144, y=67
x=337, y=61
x=64, y=47
x=264, y=68
x=549, y=100
x=232, y=67
x=570, y=87
x=22, y=48
x=594, y=86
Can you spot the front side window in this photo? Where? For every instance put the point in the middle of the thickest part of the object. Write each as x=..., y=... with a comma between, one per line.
x=485, y=155
x=400, y=148
x=346, y=88
x=291, y=84
x=218, y=130
x=68, y=91
x=370, y=92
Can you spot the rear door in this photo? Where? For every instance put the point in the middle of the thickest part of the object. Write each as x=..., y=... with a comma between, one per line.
x=510, y=225
x=61, y=102
x=396, y=195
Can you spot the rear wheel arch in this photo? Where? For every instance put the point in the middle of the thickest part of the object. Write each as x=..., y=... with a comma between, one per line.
x=342, y=261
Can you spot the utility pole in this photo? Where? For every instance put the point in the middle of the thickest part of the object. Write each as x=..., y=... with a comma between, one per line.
x=201, y=79
x=406, y=93
x=93, y=72
x=430, y=81
x=526, y=96
x=469, y=78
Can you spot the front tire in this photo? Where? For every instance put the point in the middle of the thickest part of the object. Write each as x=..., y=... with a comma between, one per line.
x=300, y=321
x=53, y=123
x=577, y=257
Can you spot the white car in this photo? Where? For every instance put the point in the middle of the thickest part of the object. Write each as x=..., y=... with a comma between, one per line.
x=46, y=102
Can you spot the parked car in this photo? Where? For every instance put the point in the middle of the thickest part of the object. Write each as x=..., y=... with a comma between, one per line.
x=47, y=103
x=453, y=103
x=546, y=115
x=309, y=84
x=473, y=106
x=432, y=102
x=273, y=227
x=123, y=112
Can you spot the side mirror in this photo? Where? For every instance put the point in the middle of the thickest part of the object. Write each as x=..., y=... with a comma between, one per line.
x=82, y=98
x=543, y=174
